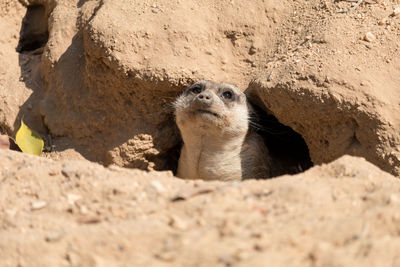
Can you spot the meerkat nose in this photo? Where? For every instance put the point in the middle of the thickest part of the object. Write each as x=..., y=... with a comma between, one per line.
x=205, y=98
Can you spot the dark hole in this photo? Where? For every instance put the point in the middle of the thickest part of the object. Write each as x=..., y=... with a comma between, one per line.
x=171, y=159
x=168, y=158
x=14, y=146
x=34, y=31
x=287, y=148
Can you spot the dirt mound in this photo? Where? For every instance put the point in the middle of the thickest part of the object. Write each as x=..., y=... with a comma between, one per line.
x=81, y=214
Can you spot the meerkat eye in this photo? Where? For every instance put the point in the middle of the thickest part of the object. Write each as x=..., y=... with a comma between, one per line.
x=227, y=95
x=196, y=89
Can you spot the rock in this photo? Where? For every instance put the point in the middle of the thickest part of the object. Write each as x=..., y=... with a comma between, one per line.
x=73, y=198
x=382, y=21
x=178, y=223
x=89, y=220
x=158, y=187
x=396, y=12
x=369, y=37
x=54, y=236
x=71, y=171
x=37, y=205
x=83, y=210
x=54, y=172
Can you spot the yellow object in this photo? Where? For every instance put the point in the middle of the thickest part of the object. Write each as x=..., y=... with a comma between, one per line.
x=29, y=141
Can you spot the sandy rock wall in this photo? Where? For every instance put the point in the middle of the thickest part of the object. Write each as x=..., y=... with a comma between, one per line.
x=339, y=91
x=13, y=91
x=113, y=67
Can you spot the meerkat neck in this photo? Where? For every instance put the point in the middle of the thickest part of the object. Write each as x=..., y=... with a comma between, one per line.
x=211, y=158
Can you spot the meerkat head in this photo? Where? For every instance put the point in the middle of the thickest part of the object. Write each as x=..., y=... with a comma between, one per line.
x=211, y=108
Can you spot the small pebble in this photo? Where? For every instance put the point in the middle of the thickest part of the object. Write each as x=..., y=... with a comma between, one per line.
x=89, y=220
x=70, y=171
x=73, y=198
x=178, y=223
x=157, y=186
x=382, y=21
x=242, y=255
x=83, y=210
x=252, y=50
x=396, y=12
x=54, y=237
x=165, y=256
x=38, y=205
x=369, y=37
x=54, y=172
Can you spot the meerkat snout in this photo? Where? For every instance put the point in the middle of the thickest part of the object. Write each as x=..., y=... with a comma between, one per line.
x=205, y=98
x=213, y=119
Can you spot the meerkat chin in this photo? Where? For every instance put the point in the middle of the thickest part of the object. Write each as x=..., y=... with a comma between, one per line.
x=213, y=119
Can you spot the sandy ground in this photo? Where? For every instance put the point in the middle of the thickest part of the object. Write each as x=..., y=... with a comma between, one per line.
x=72, y=213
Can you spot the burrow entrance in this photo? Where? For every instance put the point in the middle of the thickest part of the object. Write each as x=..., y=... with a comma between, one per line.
x=287, y=147
x=34, y=31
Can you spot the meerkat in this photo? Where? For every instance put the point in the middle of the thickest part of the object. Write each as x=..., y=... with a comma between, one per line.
x=213, y=119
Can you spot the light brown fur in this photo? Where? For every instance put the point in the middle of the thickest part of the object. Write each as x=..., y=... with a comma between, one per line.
x=215, y=131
